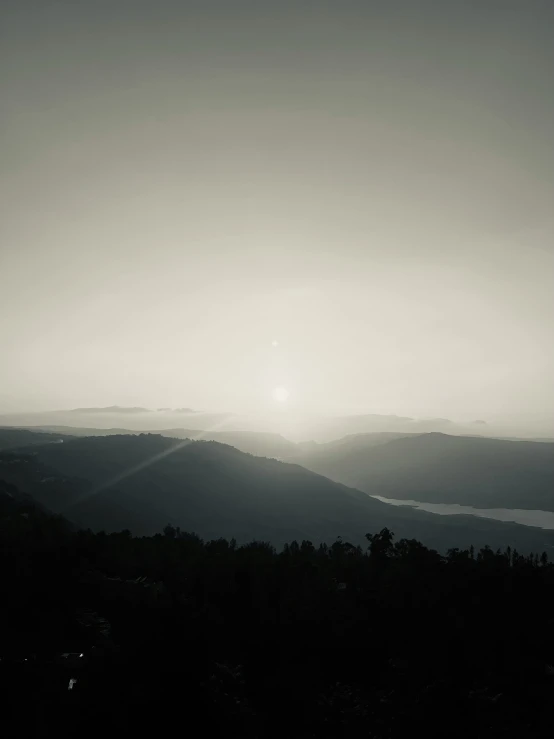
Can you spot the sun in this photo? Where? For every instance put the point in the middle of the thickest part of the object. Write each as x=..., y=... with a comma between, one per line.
x=280, y=394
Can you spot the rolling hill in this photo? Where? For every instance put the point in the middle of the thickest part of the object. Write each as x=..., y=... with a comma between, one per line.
x=144, y=482
x=438, y=468
x=260, y=443
x=12, y=438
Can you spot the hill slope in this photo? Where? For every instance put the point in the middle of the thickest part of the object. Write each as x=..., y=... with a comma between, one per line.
x=486, y=473
x=143, y=482
x=260, y=443
x=13, y=438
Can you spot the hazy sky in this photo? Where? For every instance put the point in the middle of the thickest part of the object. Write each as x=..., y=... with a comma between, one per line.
x=368, y=183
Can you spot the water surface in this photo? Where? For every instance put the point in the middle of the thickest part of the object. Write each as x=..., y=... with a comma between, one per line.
x=542, y=519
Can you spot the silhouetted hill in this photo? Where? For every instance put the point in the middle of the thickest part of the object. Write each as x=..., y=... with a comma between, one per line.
x=486, y=473
x=11, y=500
x=354, y=442
x=11, y=438
x=15, y=504
x=260, y=443
x=143, y=482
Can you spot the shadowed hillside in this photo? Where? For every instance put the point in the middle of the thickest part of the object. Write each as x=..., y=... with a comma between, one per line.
x=143, y=482
x=260, y=443
x=487, y=473
x=11, y=438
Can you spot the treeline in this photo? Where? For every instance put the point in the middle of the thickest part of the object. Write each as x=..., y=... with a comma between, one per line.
x=180, y=634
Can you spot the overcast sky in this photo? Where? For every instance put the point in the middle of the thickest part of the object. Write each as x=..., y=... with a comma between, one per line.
x=368, y=183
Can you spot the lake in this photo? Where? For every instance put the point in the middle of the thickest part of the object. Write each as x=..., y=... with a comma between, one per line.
x=542, y=519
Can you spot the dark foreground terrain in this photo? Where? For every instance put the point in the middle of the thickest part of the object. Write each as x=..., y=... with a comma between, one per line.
x=113, y=635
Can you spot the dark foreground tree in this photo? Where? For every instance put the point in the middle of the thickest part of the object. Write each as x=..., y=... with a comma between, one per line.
x=111, y=634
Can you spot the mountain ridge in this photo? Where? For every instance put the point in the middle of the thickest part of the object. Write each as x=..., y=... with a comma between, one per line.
x=144, y=482
x=443, y=468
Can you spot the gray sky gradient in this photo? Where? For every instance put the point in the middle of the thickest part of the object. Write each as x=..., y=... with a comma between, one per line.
x=369, y=183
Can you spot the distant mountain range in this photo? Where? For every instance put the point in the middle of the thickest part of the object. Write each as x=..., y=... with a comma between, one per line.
x=111, y=409
x=295, y=427
x=143, y=482
x=117, y=409
x=135, y=419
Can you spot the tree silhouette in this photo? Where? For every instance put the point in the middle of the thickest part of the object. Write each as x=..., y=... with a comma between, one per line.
x=313, y=641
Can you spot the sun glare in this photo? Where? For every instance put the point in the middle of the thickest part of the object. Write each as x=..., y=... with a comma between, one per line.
x=280, y=394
